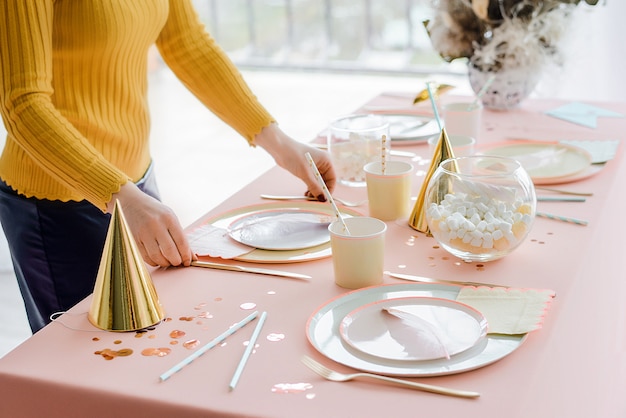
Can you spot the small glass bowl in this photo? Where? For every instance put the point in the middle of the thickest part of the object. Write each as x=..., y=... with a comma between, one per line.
x=353, y=142
x=480, y=208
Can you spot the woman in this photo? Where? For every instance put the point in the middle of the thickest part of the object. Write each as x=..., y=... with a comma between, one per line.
x=73, y=80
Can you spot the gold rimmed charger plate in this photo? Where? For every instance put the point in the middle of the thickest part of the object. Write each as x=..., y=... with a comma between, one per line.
x=226, y=219
x=545, y=162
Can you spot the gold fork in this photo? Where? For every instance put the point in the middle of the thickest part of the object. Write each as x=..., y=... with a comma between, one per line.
x=329, y=374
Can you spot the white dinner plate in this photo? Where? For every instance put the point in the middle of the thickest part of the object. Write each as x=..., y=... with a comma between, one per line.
x=406, y=129
x=546, y=163
x=280, y=229
x=258, y=255
x=323, y=332
x=413, y=328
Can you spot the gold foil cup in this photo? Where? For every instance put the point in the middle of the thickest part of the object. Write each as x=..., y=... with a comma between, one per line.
x=124, y=298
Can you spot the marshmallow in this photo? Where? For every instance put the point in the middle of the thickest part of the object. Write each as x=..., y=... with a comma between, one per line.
x=478, y=223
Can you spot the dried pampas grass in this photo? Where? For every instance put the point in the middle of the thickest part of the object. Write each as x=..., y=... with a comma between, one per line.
x=501, y=34
x=531, y=44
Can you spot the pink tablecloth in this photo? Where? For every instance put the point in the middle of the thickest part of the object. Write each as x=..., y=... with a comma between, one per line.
x=575, y=366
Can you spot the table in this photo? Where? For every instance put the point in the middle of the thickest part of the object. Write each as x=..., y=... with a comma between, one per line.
x=575, y=366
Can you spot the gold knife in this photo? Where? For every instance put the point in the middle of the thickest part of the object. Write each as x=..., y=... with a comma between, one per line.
x=393, y=152
x=232, y=267
x=420, y=279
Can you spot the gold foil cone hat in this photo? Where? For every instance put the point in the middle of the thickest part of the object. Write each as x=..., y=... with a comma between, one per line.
x=442, y=152
x=124, y=298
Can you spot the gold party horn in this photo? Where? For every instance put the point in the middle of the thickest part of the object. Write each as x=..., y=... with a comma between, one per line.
x=124, y=298
x=442, y=152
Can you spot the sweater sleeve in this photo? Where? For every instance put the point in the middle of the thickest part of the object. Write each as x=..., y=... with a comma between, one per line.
x=29, y=113
x=207, y=72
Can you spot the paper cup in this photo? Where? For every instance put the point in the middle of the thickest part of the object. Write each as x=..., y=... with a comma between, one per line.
x=389, y=194
x=462, y=145
x=462, y=119
x=358, y=258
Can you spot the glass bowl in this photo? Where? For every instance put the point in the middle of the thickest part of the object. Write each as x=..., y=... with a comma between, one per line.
x=480, y=208
x=353, y=142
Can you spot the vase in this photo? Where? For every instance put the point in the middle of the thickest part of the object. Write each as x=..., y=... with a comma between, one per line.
x=508, y=89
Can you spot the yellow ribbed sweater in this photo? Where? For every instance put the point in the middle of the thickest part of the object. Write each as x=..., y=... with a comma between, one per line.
x=73, y=91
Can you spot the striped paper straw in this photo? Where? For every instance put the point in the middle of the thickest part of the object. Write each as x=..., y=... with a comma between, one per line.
x=329, y=197
x=248, y=351
x=178, y=367
x=383, y=154
x=562, y=218
x=433, y=104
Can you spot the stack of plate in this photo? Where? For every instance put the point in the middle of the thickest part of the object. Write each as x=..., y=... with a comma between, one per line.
x=406, y=129
x=356, y=330
x=282, y=232
x=549, y=163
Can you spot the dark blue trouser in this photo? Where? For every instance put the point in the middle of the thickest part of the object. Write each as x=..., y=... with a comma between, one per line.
x=55, y=248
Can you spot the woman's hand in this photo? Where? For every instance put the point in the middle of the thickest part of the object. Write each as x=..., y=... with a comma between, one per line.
x=290, y=155
x=155, y=228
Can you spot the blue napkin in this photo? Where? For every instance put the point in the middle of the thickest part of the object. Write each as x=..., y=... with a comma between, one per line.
x=582, y=114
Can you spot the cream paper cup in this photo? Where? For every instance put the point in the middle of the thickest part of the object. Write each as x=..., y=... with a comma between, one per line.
x=358, y=257
x=389, y=193
x=462, y=145
x=462, y=119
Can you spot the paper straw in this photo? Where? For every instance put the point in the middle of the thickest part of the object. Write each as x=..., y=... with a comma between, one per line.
x=329, y=197
x=248, y=351
x=561, y=199
x=432, y=103
x=383, y=154
x=562, y=218
x=482, y=91
x=207, y=347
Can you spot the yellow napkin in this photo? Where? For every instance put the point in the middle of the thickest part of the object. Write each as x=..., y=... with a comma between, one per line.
x=509, y=310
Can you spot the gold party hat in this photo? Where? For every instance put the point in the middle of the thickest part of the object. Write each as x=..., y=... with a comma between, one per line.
x=423, y=95
x=124, y=298
x=442, y=152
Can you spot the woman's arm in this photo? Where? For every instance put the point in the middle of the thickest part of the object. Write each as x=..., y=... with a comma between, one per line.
x=290, y=155
x=53, y=143
x=205, y=69
x=208, y=72
x=30, y=116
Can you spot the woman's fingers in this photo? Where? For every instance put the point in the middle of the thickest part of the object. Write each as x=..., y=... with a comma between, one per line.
x=155, y=228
